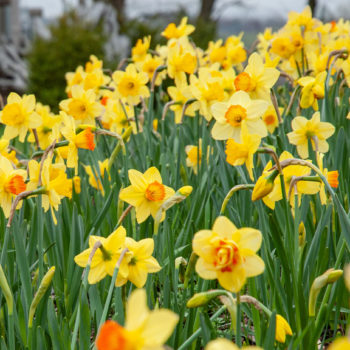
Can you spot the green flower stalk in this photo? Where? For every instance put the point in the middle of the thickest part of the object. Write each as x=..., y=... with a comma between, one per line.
x=330, y=276
x=7, y=291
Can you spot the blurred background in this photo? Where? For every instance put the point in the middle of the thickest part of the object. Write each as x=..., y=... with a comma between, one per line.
x=41, y=40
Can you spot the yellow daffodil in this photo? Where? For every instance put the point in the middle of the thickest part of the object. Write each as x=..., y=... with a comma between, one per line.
x=131, y=84
x=208, y=90
x=225, y=344
x=312, y=130
x=82, y=106
x=194, y=156
x=140, y=262
x=49, y=129
x=331, y=176
x=84, y=140
x=149, y=65
x=144, y=329
x=118, y=117
x=240, y=153
x=54, y=180
x=180, y=93
x=174, y=32
x=228, y=254
x=342, y=343
x=236, y=54
x=256, y=79
x=19, y=115
x=237, y=111
x=181, y=59
x=146, y=193
x=282, y=329
x=11, y=184
x=303, y=187
x=95, y=177
x=106, y=256
x=139, y=51
x=312, y=90
x=6, y=152
x=270, y=118
x=217, y=52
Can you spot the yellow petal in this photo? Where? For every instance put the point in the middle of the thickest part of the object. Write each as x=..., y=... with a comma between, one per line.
x=224, y=227
x=136, y=310
x=158, y=327
x=152, y=174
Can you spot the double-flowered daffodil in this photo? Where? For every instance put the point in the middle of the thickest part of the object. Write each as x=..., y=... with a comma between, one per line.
x=144, y=329
x=228, y=254
x=146, y=193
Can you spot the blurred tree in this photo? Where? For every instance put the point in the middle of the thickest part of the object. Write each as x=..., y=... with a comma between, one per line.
x=71, y=44
x=207, y=7
x=312, y=4
x=119, y=5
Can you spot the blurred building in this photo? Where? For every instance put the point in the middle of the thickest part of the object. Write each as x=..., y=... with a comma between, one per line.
x=13, y=71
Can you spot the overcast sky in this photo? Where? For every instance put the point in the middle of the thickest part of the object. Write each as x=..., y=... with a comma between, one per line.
x=264, y=8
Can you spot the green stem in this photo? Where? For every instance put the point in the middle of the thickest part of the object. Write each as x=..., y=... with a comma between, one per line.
x=196, y=334
x=111, y=288
x=238, y=327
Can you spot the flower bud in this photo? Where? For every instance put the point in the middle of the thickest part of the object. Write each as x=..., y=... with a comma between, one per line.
x=44, y=285
x=264, y=185
x=185, y=190
x=180, y=264
x=330, y=276
x=200, y=299
x=282, y=329
x=302, y=233
x=76, y=183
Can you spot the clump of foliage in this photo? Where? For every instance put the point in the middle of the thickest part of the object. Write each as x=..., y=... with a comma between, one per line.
x=71, y=43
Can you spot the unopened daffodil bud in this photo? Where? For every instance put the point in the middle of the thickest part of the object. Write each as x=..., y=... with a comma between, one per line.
x=185, y=190
x=330, y=276
x=302, y=233
x=180, y=264
x=76, y=183
x=282, y=329
x=264, y=185
x=44, y=285
x=200, y=299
